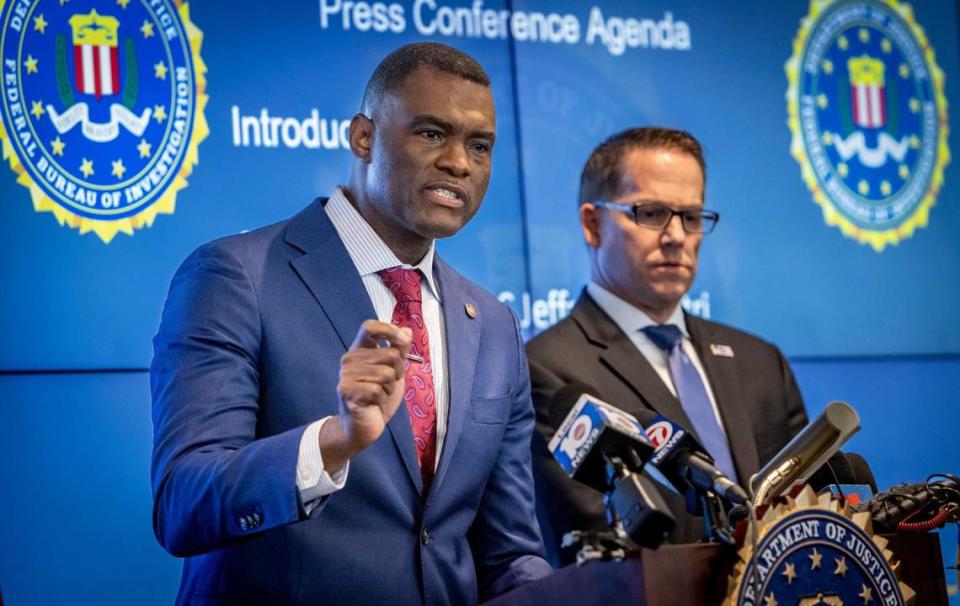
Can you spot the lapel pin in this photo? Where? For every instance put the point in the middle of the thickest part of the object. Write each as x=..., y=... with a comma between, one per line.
x=723, y=351
x=471, y=310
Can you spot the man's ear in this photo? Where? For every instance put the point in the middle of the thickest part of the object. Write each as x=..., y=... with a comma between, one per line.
x=361, y=137
x=590, y=224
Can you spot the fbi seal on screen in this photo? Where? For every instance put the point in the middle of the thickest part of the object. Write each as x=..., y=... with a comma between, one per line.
x=102, y=108
x=814, y=551
x=868, y=115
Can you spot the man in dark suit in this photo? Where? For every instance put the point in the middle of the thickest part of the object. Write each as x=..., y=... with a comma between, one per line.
x=340, y=417
x=642, y=216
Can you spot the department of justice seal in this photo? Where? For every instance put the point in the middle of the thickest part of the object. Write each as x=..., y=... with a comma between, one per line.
x=813, y=551
x=868, y=116
x=102, y=107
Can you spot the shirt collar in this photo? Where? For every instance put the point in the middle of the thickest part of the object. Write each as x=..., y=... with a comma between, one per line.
x=367, y=250
x=629, y=318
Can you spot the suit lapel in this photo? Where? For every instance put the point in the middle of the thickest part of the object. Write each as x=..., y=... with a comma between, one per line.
x=725, y=382
x=329, y=273
x=623, y=358
x=462, y=347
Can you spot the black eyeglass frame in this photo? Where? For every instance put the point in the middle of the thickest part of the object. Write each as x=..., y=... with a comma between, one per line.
x=708, y=218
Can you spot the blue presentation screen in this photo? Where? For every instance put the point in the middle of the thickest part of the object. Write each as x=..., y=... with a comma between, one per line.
x=135, y=131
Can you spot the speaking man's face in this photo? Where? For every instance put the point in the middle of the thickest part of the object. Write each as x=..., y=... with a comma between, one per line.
x=431, y=154
x=650, y=268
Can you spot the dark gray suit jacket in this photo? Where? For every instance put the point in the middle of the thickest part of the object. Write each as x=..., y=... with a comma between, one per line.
x=755, y=391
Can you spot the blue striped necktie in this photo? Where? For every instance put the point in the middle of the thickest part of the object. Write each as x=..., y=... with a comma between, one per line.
x=693, y=395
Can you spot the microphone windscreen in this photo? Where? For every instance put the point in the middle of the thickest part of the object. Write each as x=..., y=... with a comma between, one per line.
x=837, y=470
x=861, y=471
x=565, y=398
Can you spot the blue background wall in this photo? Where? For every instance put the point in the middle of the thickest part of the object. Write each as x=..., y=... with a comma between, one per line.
x=77, y=316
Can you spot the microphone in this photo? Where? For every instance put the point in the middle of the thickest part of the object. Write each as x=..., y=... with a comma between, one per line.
x=836, y=471
x=590, y=433
x=806, y=452
x=845, y=476
x=861, y=471
x=605, y=448
x=685, y=462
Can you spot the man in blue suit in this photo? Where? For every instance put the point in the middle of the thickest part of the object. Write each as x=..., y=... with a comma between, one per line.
x=340, y=417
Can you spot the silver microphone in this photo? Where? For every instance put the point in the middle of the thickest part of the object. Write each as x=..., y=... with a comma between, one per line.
x=806, y=452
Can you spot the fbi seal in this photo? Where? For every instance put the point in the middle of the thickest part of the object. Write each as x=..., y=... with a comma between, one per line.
x=102, y=107
x=868, y=115
x=813, y=551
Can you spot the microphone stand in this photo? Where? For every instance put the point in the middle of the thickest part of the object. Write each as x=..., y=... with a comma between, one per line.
x=613, y=543
x=716, y=522
x=636, y=515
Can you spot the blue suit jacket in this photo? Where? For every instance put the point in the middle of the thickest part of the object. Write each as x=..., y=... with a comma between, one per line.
x=247, y=355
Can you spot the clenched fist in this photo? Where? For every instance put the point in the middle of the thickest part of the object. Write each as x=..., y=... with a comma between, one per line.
x=370, y=388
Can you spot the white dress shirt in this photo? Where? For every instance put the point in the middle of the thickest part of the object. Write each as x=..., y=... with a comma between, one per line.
x=632, y=321
x=370, y=254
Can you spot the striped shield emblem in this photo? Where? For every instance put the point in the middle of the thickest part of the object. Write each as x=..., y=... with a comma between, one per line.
x=867, y=92
x=96, y=59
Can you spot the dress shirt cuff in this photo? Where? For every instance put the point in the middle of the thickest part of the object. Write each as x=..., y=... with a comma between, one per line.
x=313, y=481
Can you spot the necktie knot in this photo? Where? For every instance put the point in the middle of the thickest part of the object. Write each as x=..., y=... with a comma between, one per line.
x=403, y=283
x=664, y=336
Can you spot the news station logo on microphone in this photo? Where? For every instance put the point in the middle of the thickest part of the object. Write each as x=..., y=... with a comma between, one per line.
x=659, y=433
x=582, y=428
x=576, y=436
x=663, y=436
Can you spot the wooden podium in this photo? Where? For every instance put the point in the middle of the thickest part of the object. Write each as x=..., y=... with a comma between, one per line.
x=693, y=575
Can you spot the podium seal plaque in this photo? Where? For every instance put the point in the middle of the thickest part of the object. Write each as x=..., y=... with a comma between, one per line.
x=814, y=551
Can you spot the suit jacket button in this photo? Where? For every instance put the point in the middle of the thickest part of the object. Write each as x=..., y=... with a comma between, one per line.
x=424, y=536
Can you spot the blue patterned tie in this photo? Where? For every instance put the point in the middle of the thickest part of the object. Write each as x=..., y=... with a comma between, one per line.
x=693, y=395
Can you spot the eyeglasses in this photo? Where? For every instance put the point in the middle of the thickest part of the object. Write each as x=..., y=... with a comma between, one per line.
x=658, y=216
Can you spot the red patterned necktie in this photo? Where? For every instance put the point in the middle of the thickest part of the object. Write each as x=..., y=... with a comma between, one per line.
x=419, y=394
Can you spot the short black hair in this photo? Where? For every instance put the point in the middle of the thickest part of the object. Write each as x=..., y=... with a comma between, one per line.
x=399, y=64
x=601, y=176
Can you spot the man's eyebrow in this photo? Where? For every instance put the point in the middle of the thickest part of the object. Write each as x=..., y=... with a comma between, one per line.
x=484, y=134
x=431, y=120
x=425, y=119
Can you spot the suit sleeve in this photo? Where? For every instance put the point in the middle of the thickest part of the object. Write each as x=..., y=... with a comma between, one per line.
x=505, y=538
x=213, y=481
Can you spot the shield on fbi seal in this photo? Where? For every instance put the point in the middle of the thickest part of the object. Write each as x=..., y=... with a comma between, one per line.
x=866, y=91
x=96, y=59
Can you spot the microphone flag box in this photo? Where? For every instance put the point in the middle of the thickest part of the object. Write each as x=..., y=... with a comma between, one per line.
x=590, y=429
x=668, y=438
x=665, y=436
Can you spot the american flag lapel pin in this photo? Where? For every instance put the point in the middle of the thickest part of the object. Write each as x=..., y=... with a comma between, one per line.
x=723, y=351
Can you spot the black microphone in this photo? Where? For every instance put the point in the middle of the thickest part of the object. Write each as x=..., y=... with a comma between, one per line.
x=686, y=463
x=836, y=471
x=606, y=448
x=861, y=471
x=590, y=433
